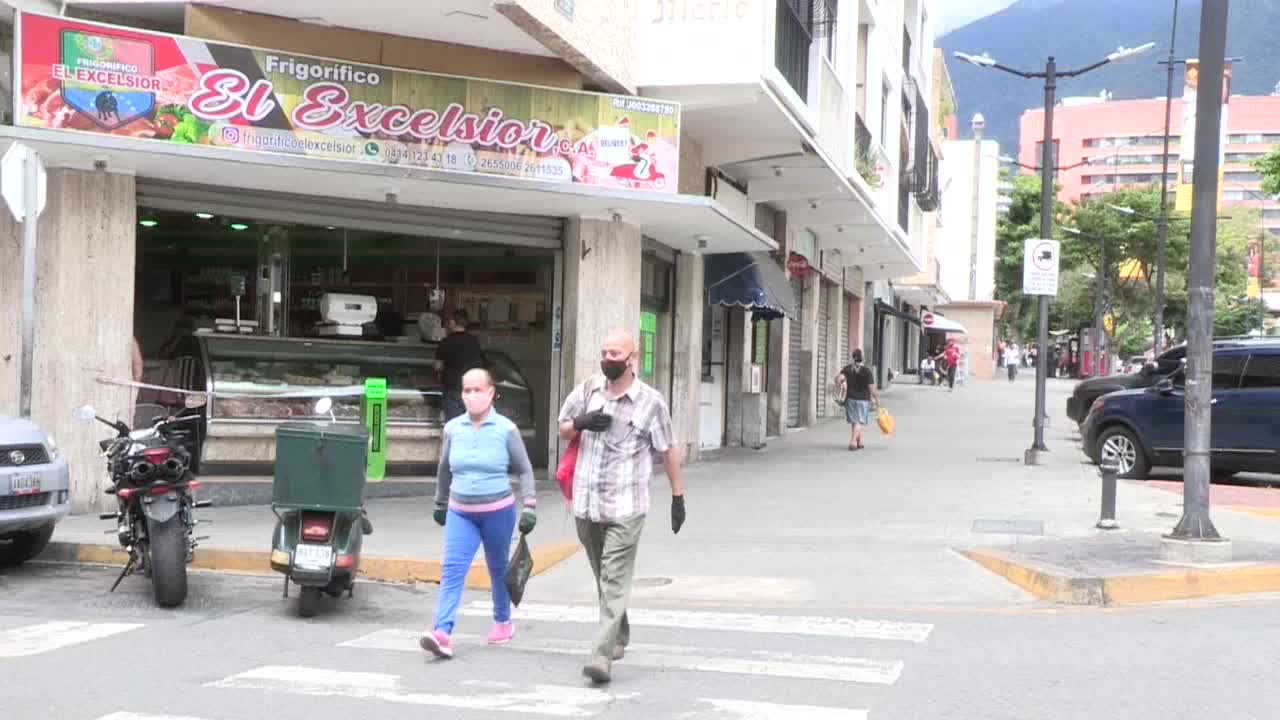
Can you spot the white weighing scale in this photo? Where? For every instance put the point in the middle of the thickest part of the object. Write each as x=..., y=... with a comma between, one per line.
x=346, y=315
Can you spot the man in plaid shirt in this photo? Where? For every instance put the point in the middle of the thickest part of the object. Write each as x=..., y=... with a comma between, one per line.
x=623, y=422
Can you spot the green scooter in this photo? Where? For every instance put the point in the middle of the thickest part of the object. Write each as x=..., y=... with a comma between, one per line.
x=318, y=500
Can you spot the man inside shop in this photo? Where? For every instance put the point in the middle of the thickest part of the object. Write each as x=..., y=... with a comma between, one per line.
x=457, y=353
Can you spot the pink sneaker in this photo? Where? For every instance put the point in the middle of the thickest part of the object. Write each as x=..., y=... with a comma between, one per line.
x=502, y=633
x=437, y=643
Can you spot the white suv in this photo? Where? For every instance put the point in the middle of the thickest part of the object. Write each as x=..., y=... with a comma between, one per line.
x=34, y=489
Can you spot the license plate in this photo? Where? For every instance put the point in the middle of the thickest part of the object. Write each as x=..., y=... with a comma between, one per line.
x=313, y=556
x=25, y=484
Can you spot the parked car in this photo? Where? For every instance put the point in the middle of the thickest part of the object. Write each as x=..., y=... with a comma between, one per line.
x=1144, y=427
x=1087, y=391
x=34, y=489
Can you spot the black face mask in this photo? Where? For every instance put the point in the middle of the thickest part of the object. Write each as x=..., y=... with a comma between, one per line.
x=613, y=369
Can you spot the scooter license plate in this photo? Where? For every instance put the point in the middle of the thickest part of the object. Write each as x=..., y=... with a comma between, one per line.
x=313, y=557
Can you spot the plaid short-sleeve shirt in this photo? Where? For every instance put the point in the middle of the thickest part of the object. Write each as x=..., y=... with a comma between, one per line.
x=611, y=478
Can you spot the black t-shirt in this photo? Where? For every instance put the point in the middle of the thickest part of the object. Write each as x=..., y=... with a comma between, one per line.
x=459, y=352
x=858, y=382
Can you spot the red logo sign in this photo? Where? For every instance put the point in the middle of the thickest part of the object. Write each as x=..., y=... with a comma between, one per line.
x=927, y=319
x=797, y=264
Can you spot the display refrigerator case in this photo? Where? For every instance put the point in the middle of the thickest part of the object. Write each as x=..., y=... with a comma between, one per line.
x=244, y=372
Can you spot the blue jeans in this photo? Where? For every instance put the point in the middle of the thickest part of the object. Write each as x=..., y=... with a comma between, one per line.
x=463, y=534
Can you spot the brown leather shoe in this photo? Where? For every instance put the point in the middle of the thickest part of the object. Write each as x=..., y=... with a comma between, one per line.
x=597, y=670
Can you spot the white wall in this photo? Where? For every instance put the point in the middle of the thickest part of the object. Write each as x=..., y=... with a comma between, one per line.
x=955, y=237
x=699, y=42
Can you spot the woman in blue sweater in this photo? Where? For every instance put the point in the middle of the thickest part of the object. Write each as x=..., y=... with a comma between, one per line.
x=474, y=503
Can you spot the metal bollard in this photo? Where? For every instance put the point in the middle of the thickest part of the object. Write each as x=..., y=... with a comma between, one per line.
x=1109, y=468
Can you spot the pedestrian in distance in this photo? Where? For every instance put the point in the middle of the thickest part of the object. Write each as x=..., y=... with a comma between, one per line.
x=479, y=451
x=1012, y=358
x=620, y=423
x=951, y=356
x=457, y=353
x=860, y=391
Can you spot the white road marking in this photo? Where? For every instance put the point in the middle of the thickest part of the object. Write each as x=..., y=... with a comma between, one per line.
x=730, y=622
x=698, y=659
x=555, y=700
x=143, y=716
x=36, y=639
x=746, y=710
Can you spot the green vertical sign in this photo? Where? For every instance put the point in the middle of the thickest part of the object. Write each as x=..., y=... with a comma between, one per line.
x=648, y=336
x=373, y=413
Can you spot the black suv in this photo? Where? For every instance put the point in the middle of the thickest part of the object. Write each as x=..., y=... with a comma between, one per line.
x=1086, y=391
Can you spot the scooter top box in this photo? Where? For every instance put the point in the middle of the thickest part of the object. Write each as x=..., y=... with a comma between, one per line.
x=320, y=466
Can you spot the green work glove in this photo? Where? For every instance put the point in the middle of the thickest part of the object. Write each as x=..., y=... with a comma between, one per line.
x=528, y=518
x=440, y=513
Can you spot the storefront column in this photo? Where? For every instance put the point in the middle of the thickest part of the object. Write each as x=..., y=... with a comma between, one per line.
x=809, y=370
x=601, y=292
x=747, y=410
x=686, y=374
x=776, y=422
x=84, y=316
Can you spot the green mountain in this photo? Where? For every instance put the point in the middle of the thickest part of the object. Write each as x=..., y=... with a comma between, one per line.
x=1080, y=32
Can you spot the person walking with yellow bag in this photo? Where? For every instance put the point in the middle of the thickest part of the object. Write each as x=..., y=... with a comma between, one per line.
x=860, y=389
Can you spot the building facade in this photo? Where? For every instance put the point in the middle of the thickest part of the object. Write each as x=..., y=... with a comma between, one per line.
x=277, y=204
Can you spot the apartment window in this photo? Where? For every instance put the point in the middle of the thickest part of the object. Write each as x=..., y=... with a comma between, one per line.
x=1113, y=160
x=1254, y=139
x=1235, y=195
x=793, y=41
x=1271, y=214
x=1130, y=140
x=1243, y=157
x=1241, y=177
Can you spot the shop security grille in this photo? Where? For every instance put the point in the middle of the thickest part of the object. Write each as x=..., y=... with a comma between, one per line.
x=795, y=349
x=824, y=346
x=497, y=228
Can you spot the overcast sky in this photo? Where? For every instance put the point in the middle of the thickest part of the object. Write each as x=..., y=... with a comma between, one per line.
x=951, y=14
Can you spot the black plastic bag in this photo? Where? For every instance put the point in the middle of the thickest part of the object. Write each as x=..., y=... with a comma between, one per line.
x=519, y=570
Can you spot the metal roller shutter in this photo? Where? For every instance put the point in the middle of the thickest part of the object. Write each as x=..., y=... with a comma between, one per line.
x=500, y=228
x=795, y=350
x=823, y=346
x=846, y=330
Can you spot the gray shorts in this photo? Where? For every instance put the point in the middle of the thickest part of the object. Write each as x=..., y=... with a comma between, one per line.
x=858, y=412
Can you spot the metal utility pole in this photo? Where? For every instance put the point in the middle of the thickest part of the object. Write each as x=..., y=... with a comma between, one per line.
x=1195, y=523
x=1050, y=76
x=1162, y=227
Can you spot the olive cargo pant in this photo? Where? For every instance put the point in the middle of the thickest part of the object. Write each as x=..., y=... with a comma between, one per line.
x=611, y=550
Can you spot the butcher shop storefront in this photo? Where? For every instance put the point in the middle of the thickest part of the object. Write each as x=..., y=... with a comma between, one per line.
x=268, y=227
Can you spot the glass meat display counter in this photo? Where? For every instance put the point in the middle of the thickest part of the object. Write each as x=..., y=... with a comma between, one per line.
x=244, y=372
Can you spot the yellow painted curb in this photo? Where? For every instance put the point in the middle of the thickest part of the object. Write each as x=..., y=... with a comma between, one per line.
x=1266, y=512
x=1129, y=589
x=385, y=569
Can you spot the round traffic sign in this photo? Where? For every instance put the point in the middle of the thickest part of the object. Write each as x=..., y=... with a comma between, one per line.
x=1043, y=256
x=927, y=319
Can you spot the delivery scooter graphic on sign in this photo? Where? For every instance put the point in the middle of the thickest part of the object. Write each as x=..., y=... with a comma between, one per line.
x=640, y=167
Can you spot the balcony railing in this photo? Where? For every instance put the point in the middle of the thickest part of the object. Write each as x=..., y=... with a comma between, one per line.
x=793, y=38
x=920, y=174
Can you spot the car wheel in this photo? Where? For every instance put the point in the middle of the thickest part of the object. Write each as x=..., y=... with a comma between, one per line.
x=1120, y=442
x=26, y=545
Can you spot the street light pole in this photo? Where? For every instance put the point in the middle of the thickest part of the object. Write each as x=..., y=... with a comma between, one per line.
x=1195, y=523
x=1050, y=76
x=1162, y=227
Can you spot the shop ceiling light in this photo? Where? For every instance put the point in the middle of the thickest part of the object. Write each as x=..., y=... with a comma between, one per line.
x=238, y=227
x=148, y=222
x=204, y=215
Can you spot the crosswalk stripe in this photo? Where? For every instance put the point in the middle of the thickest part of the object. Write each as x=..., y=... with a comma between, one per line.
x=144, y=716
x=36, y=639
x=746, y=710
x=733, y=622
x=553, y=700
x=678, y=657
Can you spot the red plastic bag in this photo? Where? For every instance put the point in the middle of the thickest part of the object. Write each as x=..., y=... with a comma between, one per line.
x=564, y=471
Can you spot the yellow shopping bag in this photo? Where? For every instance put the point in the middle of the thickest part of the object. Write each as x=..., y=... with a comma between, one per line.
x=884, y=420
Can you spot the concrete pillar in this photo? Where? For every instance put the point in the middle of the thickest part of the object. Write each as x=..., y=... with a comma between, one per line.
x=776, y=404
x=737, y=365
x=601, y=292
x=84, y=316
x=809, y=341
x=686, y=376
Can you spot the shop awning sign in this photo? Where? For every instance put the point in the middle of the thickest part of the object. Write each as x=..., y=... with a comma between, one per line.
x=95, y=78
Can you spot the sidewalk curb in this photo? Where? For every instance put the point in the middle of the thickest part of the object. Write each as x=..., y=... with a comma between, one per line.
x=1061, y=586
x=384, y=569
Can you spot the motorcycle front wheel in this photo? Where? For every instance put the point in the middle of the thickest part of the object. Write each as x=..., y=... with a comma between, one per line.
x=168, y=546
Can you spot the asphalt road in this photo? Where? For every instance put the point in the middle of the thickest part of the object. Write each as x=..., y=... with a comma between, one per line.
x=70, y=650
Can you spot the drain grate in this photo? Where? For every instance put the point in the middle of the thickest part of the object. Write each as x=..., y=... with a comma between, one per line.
x=651, y=582
x=1008, y=527
x=991, y=459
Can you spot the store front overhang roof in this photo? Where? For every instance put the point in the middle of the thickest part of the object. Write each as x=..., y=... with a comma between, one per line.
x=688, y=223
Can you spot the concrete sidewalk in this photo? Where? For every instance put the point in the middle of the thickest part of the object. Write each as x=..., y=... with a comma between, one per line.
x=406, y=544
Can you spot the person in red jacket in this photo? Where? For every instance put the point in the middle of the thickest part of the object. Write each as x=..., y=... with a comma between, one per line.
x=952, y=357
